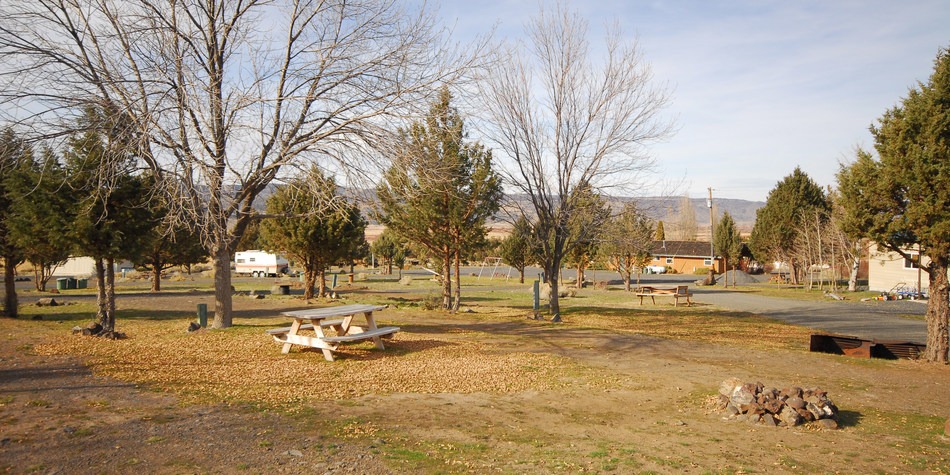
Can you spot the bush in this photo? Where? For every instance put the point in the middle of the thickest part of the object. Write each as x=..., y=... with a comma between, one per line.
x=701, y=271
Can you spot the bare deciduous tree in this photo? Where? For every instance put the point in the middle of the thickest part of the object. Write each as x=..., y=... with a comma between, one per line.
x=567, y=125
x=223, y=95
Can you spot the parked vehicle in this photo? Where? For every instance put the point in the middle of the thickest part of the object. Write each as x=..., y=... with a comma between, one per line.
x=260, y=264
x=654, y=270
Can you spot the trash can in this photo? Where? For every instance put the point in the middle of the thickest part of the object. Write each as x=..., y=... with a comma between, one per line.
x=70, y=283
x=82, y=283
x=61, y=283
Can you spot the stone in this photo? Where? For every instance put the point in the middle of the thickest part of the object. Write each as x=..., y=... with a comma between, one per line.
x=77, y=330
x=795, y=402
x=193, y=327
x=792, y=392
x=727, y=387
x=47, y=302
x=768, y=420
x=405, y=280
x=731, y=411
x=829, y=424
x=806, y=416
x=743, y=395
x=92, y=328
x=790, y=417
x=294, y=453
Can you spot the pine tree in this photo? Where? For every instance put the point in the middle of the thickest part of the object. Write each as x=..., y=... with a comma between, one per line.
x=440, y=191
x=314, y=226
x=517, y=250
x=902, y=199
x=777, y=223
x=728, y=242
x=627, y=243
x=41, y=210
x=12, y=152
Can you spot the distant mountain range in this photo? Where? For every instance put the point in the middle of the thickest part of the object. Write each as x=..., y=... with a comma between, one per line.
x=660, y=208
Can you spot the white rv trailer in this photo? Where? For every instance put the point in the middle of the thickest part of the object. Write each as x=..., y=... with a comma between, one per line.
x=260, y=264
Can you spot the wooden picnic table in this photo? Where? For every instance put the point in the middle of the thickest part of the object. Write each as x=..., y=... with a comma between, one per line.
x=339, y=319
x=678, y=292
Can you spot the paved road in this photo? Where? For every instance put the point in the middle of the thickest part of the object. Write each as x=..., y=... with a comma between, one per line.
x=870, y=320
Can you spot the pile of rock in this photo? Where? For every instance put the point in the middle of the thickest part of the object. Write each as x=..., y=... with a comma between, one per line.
x=788, y=407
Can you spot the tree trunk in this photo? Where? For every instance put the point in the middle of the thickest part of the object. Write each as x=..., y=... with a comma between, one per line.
x=938, y=308
x=446, y=280
x=389, y=263
x=521, y=275
x=853, y=276
x=156, y=274
x=322, y=275
x=310, y=281
x=108, y=326
x=100, y=291
x=554, y=301
x=579, y=283
x=9, y=284
x=626, y=276
x=222, y=286
x=457, y=298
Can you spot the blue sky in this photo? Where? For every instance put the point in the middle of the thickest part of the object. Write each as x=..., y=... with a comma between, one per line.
x=758, y=87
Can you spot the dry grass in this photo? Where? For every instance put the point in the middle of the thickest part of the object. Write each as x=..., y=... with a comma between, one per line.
x=243, y=364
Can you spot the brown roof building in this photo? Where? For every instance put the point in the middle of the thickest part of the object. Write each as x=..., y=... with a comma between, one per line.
x=684, y=257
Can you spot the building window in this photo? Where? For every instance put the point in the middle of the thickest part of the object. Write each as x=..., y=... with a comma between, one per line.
x=912, y=263
x=669, y=260
x=707, y=262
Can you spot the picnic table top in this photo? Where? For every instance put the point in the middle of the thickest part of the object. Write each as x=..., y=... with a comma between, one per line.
x=661, y=290
x=338, y=311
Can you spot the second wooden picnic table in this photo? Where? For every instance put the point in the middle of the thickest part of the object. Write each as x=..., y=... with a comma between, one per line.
x=339, y=319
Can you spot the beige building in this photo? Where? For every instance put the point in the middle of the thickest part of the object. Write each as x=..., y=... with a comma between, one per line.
x=888, y=271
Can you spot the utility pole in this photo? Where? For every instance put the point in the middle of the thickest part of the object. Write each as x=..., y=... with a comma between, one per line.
x=712, y=234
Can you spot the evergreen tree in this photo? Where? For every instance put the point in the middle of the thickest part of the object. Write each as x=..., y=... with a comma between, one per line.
x=627, y=243
x=41, y=209
x=114, y=218
x=902, y=199
x=777, y=223
x=586, y=229
x=517, y=250
x=386, y=247
x=13, y=151
x=660, y=233
x=728, y=242
x=314, y=226
x=440, y=191
x=169, y=244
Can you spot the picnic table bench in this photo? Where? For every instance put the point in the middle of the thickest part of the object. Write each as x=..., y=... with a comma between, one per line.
x=321, y=319
x=677, y=293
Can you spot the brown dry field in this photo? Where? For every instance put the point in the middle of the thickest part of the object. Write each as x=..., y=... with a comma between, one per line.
x=617, y=388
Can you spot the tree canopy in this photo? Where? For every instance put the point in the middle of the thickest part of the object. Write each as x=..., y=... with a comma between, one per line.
x=315, y=229
x=901, y=199
x=440, y=190
x=777, y=223
x=570, y=124
x=627, y=242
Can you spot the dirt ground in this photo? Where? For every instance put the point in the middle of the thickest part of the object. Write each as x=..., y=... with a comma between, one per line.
x=625, y=403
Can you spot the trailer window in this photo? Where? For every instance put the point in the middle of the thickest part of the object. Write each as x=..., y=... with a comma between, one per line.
x=251, y=259
x=240, y=261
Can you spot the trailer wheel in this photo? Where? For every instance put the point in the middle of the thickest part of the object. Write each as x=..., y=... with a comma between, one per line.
x=254, y=274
